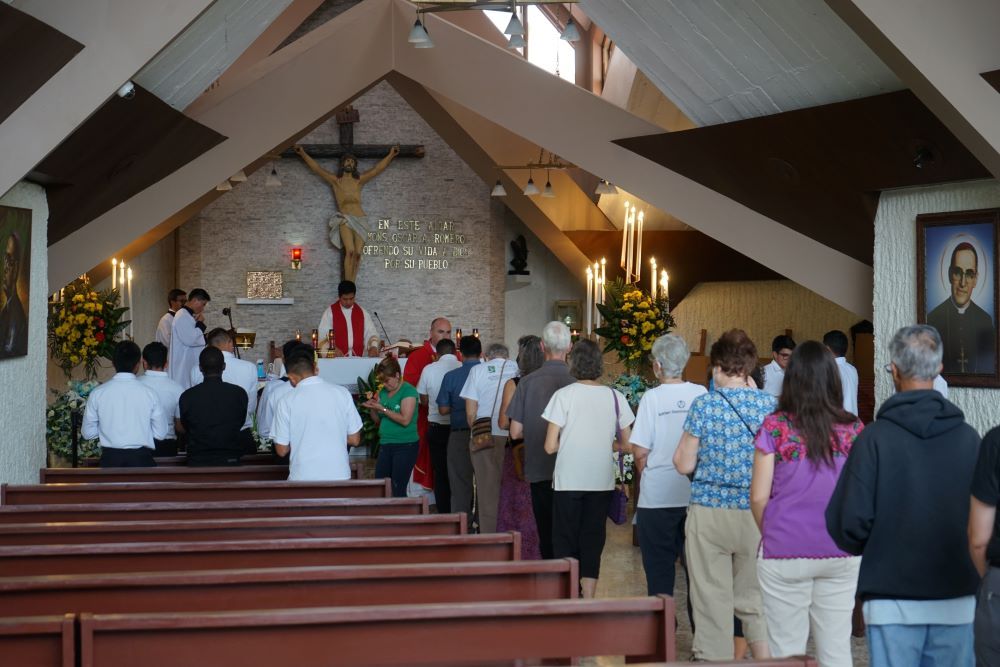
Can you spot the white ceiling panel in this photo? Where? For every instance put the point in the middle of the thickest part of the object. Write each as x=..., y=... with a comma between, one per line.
x=725, y=60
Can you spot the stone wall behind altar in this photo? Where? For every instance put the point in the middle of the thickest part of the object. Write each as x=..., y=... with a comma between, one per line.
x=896, y=279
x=254, y=227
x=22, y=379
x=764, y=309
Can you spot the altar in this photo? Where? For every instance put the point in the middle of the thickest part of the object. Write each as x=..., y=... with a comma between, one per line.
x=345, y=371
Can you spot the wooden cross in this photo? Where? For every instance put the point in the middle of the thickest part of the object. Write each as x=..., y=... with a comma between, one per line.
x=346, y=118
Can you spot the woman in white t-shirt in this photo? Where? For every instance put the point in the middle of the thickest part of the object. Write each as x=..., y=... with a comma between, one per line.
x=582, y=430
x=664, y=493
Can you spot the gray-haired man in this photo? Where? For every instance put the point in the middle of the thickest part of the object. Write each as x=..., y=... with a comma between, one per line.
x=902, y=502
x=525, y=414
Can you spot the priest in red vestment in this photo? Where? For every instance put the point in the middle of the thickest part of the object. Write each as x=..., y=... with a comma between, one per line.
x=423, y=474
x=352, y=326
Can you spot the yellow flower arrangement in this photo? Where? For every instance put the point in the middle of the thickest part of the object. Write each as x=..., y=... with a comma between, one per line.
x=83, y=326
x=632, y=321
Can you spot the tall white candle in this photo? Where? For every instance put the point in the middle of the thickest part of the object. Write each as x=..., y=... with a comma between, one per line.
x=114, y=272
x=604, y=278
x=131, y=324
x=665, y=284
x=121, y=277
x=625, y=235
x=638, y=248
x=590, y=301
x=652, y=278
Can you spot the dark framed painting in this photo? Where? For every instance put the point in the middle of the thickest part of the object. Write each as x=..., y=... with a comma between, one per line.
x=15, y=242
x=958, y=291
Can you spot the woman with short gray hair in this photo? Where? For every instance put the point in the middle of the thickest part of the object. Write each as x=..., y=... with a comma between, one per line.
x=664, y=493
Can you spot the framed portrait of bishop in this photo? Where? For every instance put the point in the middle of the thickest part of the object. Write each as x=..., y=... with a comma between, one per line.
x=958, y=287
x=15, y=243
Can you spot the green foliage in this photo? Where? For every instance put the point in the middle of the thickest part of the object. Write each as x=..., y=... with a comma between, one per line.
x=58, y=424
x=631, y=321
x=369, y=430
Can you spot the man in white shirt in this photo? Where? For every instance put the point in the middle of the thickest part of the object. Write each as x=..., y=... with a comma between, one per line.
x=239, y=372
x=125, y=414
x=175, y=301
x=274, y=391
x=315, y=423
x=168, y=392
x=352, y=326
x=187, y=337
x=836, y=342
x=438, y=425
x=774, y=372
x=482, y=393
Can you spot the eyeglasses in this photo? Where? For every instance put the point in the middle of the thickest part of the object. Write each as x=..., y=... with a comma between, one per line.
x=955, y=273
x=785, y=355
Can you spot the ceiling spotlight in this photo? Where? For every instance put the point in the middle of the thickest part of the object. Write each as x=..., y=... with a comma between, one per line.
x=224, y=186
x=531, y=189
x=570, y=33
x=516, y=42
x=923, y=158
x=498, y=190
x=127, y=91
x=238, y=177
x=515, y=27
x=605, y=188
x=418, y=33
x=272, y=180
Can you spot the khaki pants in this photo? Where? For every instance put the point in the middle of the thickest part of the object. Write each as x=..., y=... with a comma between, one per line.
x=488, y=465
x=460, y=472
x=721, y=549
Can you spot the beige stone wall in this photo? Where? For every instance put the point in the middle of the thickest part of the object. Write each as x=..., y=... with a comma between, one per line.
x=764, y=309
x=22, y=392
x=896, y=279
x=254, y=228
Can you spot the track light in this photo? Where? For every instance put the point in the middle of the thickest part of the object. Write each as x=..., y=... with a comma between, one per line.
x=570, y=33
x=531, y=189
x=515, y=27
x=548, y=192
x=238, y=177
x=224, y=186
x=418, y=33
x=605, y=188
x=498, y=190
x=516, y=42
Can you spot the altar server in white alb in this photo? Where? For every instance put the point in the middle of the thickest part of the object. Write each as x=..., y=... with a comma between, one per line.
x=353, y=329
x=125, y=414
x=187, y=337
x=315, y=423
x=274, y=391
x=239, y=372
x=176, y=299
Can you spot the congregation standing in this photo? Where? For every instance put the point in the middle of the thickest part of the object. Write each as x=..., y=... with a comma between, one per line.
x=780, y=505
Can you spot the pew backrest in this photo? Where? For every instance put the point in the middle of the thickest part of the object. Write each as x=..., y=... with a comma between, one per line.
x=399, y=634
x=170, y=473
x=38, y=641
x=36, y=494
x=177, y=556
x=225, y=509
x=107, y=532
x=277, y=588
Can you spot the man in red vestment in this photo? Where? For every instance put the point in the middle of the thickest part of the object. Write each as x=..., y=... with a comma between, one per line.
x=415, y=362
x=352, y=326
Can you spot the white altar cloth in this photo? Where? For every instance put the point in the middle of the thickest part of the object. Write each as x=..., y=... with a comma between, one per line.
x=345, y=371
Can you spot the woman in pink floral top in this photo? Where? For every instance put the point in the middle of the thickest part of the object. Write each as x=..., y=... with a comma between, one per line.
x=800, y=450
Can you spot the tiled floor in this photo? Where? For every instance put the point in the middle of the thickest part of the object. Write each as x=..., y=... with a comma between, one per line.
x=622, y=576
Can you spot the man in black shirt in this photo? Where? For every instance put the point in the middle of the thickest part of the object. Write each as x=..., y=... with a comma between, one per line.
x=212, y=414
x=984, y=546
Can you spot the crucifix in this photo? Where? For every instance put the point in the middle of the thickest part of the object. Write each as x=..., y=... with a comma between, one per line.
x=962, y=360
x=349, y=226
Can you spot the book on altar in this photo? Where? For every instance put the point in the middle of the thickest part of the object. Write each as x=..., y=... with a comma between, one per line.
x=400, y=347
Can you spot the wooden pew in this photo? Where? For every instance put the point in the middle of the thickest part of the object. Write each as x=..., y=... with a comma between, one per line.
x=234, y=590
x=186, y=556
x=178, y=473
x=429, y=634
x=226, y=509
x=181, y=460
x=148, y=492
x=216, y=530
x=38, y=641
x=794, y=661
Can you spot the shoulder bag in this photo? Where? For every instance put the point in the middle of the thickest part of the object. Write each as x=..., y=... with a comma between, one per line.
x=618, y=509
x=481, y=431
x=752, y=432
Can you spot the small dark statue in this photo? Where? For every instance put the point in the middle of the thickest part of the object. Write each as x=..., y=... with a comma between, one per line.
x=520, y=249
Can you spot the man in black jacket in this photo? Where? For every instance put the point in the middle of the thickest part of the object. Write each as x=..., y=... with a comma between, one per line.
x=212, y=415
x=902, y=502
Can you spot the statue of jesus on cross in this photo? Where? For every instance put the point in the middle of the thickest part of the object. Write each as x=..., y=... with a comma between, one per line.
x=349, y=226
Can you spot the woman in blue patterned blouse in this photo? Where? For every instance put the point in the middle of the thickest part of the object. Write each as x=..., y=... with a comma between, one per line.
x=721, y=537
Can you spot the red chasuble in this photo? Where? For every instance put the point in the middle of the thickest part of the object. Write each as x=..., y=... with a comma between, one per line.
x=340, y=329
x=423, y=473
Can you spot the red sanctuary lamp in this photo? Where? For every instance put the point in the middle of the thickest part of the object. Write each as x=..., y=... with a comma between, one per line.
x=296, y=258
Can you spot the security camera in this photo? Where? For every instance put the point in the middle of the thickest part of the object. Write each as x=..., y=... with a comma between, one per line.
x=127, y=91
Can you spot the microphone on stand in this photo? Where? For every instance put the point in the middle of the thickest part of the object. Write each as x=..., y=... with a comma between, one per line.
x=384, y=332
x=228, y=312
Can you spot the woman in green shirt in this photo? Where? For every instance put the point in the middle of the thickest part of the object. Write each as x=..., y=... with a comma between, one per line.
x=395, y=412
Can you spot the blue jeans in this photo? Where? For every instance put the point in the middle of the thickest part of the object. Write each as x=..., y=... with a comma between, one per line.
x=920, y=645
x=397, y=461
